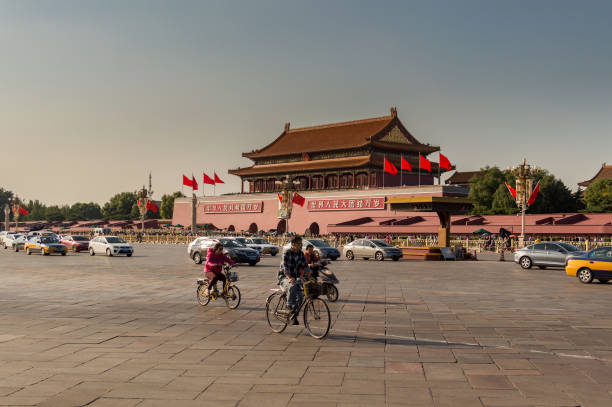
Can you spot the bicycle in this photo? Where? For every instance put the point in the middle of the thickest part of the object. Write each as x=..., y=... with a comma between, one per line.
x=230, y=293
x=316, y=315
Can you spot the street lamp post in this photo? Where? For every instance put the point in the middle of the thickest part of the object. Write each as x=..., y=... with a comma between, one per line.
x=287, y=187
x=143, y=196
x=16, y=202
x=523, y=173
x=7, y=217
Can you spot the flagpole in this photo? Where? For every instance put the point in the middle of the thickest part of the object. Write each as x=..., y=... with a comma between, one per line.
x=384, y=158
x=439, y=159
x=214, y=186
x=401, y=171
x=419, y=170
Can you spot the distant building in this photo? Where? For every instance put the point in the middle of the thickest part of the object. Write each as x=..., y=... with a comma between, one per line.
x=462, y=179
x=605, y=172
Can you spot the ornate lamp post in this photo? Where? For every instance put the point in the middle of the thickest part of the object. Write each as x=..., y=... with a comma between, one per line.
x=143, y=195
x=7, y=216
x=523, y=173
x=16, y=202
x=285, y=206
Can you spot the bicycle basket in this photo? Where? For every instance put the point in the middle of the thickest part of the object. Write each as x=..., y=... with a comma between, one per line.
x=312, y=289
x=232, y=276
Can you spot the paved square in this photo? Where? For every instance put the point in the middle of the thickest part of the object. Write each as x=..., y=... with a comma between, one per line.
x=98, y=331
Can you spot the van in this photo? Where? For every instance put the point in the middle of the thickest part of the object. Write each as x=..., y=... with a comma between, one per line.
x=102, y=231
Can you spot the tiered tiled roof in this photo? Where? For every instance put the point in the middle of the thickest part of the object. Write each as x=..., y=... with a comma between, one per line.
x=463, y=177
x=604, y=172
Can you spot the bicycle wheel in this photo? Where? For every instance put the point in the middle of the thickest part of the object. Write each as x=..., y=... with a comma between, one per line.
x=232, y=298
x=277, y=319
x=332, y=293
x=203, y=299
x=316, y=318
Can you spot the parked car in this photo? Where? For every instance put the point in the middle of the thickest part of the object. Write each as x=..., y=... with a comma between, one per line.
x=371, y=248
x=14, y=241
x=549, y=254
x=323, y=249
x=110, y=245
x=232, y=248
x=595, y=264
x=45, y=245
x=260, y=244
x=4, y=234
x=75, y=242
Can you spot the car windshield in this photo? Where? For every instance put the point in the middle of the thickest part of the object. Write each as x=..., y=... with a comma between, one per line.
x=319, y=243
x=569, y=247
x=381, y=243
x=230, y=243
x=241, y=240
x=260, y=241
x=80, y=238
x=48, y=239
x=113, y=239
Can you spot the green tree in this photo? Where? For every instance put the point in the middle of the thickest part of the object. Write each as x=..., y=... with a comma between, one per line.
x=5, y=195
x=554, y=196
x=119, y=206
x=598, y=196
x=85, y=211
x=38, y=210
x=482, y=188
x=167, y=204
x=54, y=214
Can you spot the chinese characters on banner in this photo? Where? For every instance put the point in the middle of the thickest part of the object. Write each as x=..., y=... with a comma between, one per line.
x=346, y=204
x=233, y=207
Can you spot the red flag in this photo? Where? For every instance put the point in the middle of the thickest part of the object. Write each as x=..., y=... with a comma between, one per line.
x=280, y=198
x=512, y=190
x=208, y=180
x=195, y=183
x=390, y=168
x=23, y=211
x=406, y=165
x=187, y=182
x=298, y=199
x=534, y=194
x=218, y=180
x=445, y=163
x=424, y=163
x=152, y=206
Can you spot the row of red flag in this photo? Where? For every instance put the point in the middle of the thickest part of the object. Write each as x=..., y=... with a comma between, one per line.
x=192, y=183
x=21, y=210
x=424, y=164
x=151, y=206
x=532, y=196
x=296, y=199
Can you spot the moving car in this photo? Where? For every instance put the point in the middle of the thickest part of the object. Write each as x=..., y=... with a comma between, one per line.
x=110, y=245
x=549, y=254
x=4, y=234
x=232, y=248
x=45, y=245
x=595, y=264
x=14, y=241
x=75, y=242
x=259, y=244
x=371, y=248
x=323, y=249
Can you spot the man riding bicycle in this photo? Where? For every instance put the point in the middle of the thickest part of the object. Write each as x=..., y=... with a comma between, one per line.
x=293, y=266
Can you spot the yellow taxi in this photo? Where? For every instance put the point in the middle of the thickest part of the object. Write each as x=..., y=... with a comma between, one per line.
x=596, y=264
x=45, y=245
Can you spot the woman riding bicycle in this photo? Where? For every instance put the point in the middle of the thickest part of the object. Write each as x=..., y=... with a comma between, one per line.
x=213, y=269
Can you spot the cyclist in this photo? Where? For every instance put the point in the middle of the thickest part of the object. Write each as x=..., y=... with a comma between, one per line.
x=213, y=269
x=292, y=267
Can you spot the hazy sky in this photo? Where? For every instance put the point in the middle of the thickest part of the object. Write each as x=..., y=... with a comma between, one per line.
x=95, y=94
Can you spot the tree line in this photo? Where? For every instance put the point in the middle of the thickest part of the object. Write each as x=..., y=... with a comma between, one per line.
x=121, y=206
x=491, y=196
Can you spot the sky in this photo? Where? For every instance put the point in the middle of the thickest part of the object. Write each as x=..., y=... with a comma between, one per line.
x=94, y=95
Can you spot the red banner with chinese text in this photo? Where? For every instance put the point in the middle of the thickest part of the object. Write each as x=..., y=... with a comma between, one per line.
x=346, y=204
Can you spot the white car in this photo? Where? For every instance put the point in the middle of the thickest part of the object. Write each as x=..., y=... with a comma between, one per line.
x=110, y=245
x=4, y=234
x=260, y=244
x=14, y=241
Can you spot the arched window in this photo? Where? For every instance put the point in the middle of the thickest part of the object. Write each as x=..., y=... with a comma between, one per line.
x=331, y=181
x=346, y=180
x=281, y=227
x=253, y=228
x=314, y=229
x=361, y=180
x=303, y=182
x=231, y=228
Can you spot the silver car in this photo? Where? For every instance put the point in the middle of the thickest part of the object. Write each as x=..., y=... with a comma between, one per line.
x=549, y=254
x=366, y=248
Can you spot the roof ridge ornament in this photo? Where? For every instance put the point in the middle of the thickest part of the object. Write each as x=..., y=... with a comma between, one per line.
x=393, y=111
x=287, y=126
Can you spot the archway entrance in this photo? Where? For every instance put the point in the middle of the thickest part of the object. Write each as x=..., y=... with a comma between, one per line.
x=253, y=228
x=314, y=229
x=231, y=228
x=281, y=227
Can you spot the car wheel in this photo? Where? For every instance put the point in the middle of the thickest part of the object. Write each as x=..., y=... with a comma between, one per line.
x=366, y=258
x=349, y=255
x=63, y=253
x=542, y=267
x=108, y=253
x=603, y=280
x=129, y=254
x=273, y=254
x=16, y=248
x=197, y=258
x=92, y=252
x=396, y=258
x=525, y=262
x=28, y=252
x=379, y=256
x=252, y=263
x=585, y=275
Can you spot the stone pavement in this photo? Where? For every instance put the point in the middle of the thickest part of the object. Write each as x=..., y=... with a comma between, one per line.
x=123, y=332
